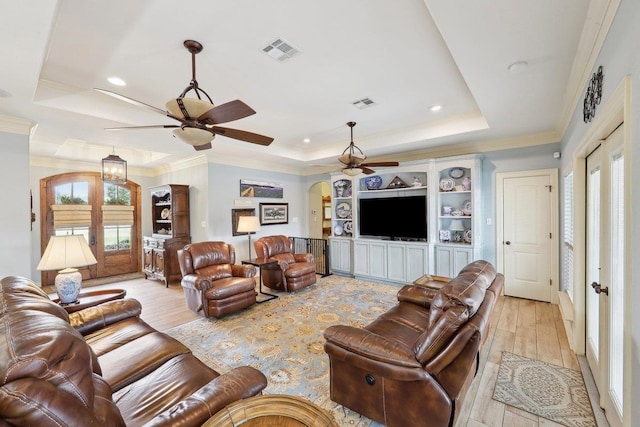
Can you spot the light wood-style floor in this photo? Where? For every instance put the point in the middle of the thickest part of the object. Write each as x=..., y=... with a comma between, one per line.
x=529, y=328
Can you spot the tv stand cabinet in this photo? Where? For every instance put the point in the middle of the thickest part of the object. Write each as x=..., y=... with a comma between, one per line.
x=452, y=186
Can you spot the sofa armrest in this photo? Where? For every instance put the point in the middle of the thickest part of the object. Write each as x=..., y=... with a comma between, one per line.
x=370, y=345
x=243, y=270
x=306, y=257
x=194, y=281
x=239, y=383
x=418, y=295
x=99, y=316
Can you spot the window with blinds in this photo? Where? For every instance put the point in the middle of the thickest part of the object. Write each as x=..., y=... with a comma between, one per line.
x=567, y=236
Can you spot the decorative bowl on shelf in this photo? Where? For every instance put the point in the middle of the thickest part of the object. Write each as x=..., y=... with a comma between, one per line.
x=348, y=227
x=373, y=182
x=337, y=230
x=467, y=236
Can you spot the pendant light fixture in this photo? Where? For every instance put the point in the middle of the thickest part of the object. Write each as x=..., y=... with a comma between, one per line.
x=114, y=169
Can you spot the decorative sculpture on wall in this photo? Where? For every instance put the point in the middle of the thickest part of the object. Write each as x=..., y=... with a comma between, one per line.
x=593, y=96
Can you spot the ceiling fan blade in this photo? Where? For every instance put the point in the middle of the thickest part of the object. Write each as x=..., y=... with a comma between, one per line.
x=202, y=147
x=228, y=112
x=366, y=170
x=380, y=164
x=144, y=127
x=133, y=101
x=242, y=135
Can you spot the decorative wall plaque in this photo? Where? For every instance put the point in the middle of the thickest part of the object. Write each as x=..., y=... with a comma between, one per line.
x=593, y=96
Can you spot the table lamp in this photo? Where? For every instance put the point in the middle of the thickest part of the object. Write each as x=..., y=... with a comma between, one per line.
x=65, y=253
x=249, y=225
x=456, y=226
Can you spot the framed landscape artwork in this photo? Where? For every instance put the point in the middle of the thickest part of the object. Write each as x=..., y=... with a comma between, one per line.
x=274, y=213
x=271, y=190
x=235, y=215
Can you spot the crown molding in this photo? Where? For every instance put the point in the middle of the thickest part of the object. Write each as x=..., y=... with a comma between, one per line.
x=599, y=20
x=16, y=125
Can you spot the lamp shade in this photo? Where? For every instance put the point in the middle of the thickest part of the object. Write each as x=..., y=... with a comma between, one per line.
x=456, y=225
x=248, y=224
x=68, y=251
x=193, y=136
x=114, y=169
x=193, y=107
x=352, y=171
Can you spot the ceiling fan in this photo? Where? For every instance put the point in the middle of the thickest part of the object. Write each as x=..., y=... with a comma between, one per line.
x=198, y=117
x=354, y=159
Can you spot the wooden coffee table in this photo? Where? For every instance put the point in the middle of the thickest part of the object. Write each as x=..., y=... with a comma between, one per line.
x=272, y=410
x=91, y=298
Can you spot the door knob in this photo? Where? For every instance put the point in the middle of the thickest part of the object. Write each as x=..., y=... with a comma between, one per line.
x=507, y=242
x=599, y=289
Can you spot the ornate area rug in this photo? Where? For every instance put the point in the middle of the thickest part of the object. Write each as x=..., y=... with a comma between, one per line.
x=283, y=337
x=549, y=391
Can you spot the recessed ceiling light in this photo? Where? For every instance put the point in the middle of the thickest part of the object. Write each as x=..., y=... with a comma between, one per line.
x=518, y=66
x=435, y=108
x=306, y=140
x=116, y=81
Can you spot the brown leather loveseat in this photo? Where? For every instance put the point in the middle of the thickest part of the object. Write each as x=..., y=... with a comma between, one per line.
x=294, y=270
x=102, y=366
x=413, y=365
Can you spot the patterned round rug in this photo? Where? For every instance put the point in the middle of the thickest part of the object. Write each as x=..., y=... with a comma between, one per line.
x=283, y=337
x=549, y=391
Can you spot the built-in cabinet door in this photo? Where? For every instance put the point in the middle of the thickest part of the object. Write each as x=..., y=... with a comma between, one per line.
x=378, y=260
x=450, y=260
x=417, y=262
x=340, y=255
x=361, y=258
x=397, y=262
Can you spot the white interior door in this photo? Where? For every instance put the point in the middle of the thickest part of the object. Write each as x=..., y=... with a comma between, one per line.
x=606, y=253
x=527, y=234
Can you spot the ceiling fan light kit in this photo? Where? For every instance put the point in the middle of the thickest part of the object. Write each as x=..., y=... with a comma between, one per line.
x=353, y=158
x=197, y=116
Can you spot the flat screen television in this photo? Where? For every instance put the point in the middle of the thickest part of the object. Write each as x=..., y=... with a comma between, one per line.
x=394, y=217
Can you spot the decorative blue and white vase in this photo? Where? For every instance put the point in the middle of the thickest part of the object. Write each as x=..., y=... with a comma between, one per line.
x=68, y=283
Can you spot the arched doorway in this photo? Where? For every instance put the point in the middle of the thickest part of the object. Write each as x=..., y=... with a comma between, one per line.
x=319, y=218
x=107, y=215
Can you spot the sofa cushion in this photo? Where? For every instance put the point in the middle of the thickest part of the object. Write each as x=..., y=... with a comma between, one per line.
x=215, y=271
x=286, y=257
x=229, y=287
x=299, y=269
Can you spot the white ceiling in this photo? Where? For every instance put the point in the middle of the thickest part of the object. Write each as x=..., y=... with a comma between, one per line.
x=406, y=55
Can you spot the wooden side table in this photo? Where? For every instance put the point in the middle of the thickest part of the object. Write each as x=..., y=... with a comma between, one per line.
x=272, y=410
x=91, y=298
x=259, y=263
x=432, y=282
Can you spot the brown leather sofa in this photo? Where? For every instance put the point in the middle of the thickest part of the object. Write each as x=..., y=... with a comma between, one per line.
x=293, y=271
x=414, y=364
x=102, y=366
x=212, y=282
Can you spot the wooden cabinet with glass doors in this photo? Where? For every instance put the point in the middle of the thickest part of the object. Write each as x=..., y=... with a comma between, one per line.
x=170, y=232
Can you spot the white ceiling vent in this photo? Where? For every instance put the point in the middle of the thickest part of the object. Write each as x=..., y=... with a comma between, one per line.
x=281, y=50
x=364, y=103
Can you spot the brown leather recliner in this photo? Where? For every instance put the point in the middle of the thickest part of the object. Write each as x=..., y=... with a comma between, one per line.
x=414, y=364
x=293, y=271
x=212, y=282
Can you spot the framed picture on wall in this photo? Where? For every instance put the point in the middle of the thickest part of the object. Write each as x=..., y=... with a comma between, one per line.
x=235, y=215
x=272, y=190
x=274, y=213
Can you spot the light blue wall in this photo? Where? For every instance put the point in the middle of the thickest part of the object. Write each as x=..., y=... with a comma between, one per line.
x=224, y=189
x=620, y=57
x=514, y=160
x=15, y=252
